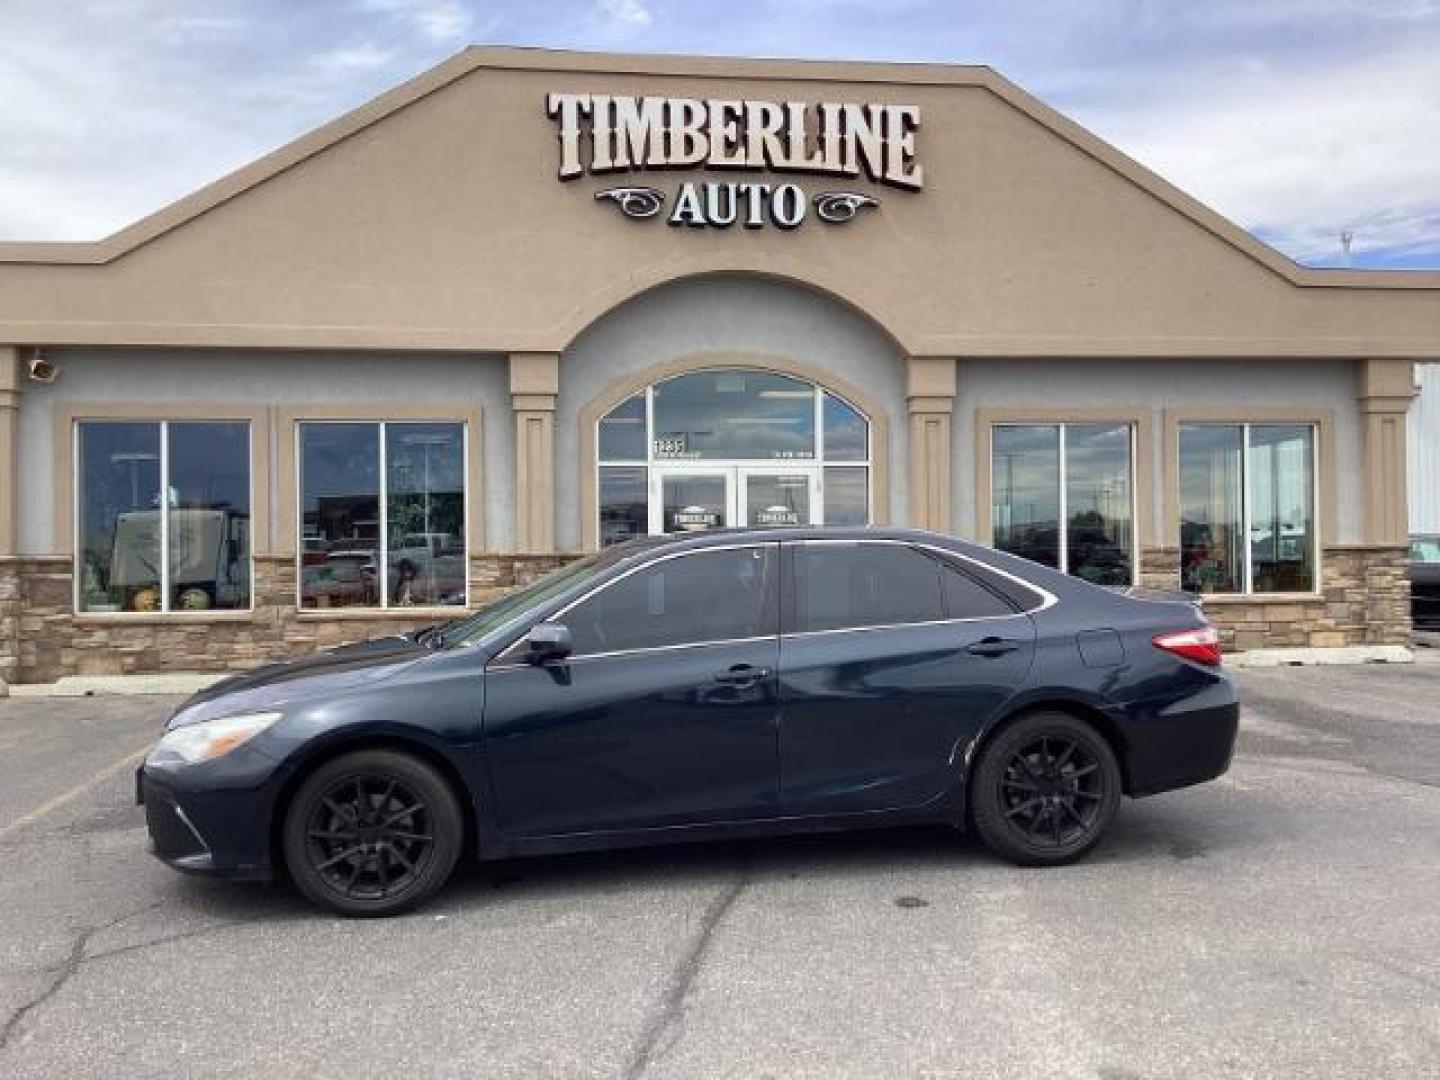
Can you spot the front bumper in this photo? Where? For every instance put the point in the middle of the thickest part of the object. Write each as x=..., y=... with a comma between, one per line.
x=212, y=818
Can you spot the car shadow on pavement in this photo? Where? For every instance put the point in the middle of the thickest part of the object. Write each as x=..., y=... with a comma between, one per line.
x=1144, y=834
x=1147, y=832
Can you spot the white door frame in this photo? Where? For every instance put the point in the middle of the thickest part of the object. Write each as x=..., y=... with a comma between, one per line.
x=736, y=476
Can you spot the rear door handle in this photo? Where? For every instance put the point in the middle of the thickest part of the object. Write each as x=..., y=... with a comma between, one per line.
x=742, y=675
x=992, y=646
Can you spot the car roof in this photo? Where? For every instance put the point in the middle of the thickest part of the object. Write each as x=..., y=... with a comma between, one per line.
x=774, y=533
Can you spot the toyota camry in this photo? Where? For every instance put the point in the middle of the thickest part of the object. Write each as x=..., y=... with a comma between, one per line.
x=702, y=685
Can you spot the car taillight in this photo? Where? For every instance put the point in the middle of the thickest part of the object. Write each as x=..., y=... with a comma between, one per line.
x=1201, y=644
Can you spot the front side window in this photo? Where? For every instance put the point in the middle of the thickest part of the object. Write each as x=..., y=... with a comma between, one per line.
x=1063, y=496
x=163, y=514
x=382, y=520
x=706, y=596
x=1247, y=508
x=842, y=586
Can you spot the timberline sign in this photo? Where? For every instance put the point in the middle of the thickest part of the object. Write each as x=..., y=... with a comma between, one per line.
x=602, y=134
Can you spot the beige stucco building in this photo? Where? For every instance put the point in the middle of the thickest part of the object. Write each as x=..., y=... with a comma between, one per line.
x=533, y=302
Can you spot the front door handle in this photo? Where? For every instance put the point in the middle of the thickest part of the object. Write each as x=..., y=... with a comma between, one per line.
x=992, y=646
x=742, y=675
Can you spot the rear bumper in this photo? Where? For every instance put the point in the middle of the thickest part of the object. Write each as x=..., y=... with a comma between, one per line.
x=197, y=828
x=1183, y=742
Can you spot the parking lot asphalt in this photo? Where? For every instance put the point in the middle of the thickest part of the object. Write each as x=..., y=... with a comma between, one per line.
x=1282, y=922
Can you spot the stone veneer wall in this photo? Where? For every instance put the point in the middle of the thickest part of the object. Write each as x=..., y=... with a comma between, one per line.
x=42, y=639
x=1364, y=600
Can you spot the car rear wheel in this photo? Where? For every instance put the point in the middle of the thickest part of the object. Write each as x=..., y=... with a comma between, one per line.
x=374, y=832
x=1044, y=790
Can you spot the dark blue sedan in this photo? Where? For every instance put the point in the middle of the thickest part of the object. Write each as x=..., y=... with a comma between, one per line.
x=699, y=686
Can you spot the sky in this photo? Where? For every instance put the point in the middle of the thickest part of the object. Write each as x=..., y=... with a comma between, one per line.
x=1300, y=120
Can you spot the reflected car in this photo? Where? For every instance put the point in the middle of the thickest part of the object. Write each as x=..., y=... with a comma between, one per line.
x=344, y=579
x=700, y=686
x=1424, y=574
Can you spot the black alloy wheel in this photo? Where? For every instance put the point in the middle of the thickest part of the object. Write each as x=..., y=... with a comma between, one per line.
x=1045, y=790
x=373, y=833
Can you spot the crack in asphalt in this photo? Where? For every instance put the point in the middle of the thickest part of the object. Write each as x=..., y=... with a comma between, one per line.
x=77, y=959
x=663, y=1031
x=67, y=968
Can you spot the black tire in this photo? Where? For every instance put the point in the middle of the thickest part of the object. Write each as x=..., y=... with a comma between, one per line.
x=373, y=832
x=1044, y=790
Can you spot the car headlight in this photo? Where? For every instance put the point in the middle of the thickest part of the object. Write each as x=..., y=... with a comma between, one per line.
x=210, y=739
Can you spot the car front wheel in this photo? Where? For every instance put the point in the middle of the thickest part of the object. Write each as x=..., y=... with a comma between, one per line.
x=1044, y=790
x=374, y=832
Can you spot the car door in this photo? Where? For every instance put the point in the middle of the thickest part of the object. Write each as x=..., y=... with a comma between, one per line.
x=890, y=659
x=665, y=712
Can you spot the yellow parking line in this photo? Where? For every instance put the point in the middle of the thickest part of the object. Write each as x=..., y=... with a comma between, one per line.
x=76, y=791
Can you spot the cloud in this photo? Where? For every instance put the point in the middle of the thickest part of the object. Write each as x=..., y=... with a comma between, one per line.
x=1302, y=154
x=439, y=21
x=1295, y=118
x=628, y=14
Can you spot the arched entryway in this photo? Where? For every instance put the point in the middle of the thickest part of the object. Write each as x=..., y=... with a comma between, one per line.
x=730, y=446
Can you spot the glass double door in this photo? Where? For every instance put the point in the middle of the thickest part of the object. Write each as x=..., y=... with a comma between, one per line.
x=694, y=498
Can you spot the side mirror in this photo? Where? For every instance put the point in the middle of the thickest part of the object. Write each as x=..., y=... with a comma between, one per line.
x=548, y=641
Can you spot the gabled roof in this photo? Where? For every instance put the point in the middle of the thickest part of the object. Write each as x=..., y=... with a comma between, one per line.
x=192, y=206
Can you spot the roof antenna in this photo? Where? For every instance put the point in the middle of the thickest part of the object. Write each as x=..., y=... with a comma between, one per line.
x=1347, y=237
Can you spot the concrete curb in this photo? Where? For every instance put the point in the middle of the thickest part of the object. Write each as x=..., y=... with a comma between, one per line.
x=170, y=682
x=1352, y=654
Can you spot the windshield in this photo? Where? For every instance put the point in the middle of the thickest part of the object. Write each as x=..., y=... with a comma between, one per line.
x=472, y=628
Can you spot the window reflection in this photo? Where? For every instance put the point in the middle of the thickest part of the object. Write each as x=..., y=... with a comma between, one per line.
x=622, y=431
x=1096, y=539
x=209, y=526
x=777, y=499
x=847, y=435
x=1098, y=534
x=1211, y=521
x=1025, y=478
x=340, y=501
x=425, y=514
x=1271, y=465
x=734, y=414
x=1282, y=492
x=847, y=496
x=624, y=504
x=120, y=511
x=125, y=525
x=344, y=542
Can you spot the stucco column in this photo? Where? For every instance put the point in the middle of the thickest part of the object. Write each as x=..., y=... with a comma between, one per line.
x=930, y=402
x=534, y=382
x=10, y=383
x=1385, y=391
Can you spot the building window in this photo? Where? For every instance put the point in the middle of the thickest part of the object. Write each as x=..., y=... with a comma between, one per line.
x=728, y=447
x=1247, y=480
x=1063, y=496
x=187, y=549
x=382, y=495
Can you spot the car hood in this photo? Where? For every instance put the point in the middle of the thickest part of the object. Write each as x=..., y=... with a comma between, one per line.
x=275, y=685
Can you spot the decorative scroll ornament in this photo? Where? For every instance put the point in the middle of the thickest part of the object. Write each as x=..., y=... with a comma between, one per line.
x=635, y=202
x=838, y=206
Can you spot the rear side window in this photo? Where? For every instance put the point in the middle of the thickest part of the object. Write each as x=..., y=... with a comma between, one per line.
x=690, y=599
x=966, y=598
x=841, y=586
